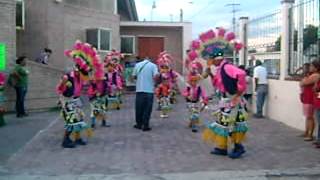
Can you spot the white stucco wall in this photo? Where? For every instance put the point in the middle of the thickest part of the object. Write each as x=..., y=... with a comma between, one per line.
x=187, y=38
x=283, y=103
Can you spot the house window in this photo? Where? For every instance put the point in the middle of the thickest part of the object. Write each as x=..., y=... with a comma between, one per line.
x=127, y=44
x=20, y=14
x=99, y=38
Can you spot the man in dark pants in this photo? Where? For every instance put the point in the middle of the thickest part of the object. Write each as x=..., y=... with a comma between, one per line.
x=145, y=72
x=20, y=74
x=144, y=102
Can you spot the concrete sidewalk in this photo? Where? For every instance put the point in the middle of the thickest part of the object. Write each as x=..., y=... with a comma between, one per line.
x=293, y=174
x=169, y=151
x=19, y=131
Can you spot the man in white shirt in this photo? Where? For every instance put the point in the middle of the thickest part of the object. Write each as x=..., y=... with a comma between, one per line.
x=261, y=87
x=145, y=72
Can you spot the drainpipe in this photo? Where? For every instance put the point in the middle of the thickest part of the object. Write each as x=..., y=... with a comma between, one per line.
x=243, y=36
x=115, y=2
x=285, y=37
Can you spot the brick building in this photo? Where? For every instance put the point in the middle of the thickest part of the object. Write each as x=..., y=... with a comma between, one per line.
x=57, y=24
x=8, y=26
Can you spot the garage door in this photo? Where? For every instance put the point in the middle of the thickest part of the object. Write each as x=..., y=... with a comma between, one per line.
x=150, y=46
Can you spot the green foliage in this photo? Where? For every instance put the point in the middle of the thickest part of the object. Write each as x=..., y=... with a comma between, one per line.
x=309, y=38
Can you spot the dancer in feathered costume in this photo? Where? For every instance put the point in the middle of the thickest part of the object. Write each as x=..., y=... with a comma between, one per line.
x=163, y=95
x=2, y=109
x=229, y=80
x=164, y=62
x=87, y=63
x=98, y=97
x=116, y=58
x=113, y=80
x=195, y=95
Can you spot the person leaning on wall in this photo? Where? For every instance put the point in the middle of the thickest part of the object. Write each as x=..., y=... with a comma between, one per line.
x=19, y=76
x=260, y=76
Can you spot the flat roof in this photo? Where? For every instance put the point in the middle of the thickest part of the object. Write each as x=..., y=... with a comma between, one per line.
x=154, y=23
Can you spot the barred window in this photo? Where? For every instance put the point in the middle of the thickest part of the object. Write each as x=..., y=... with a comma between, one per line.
x=128, y=44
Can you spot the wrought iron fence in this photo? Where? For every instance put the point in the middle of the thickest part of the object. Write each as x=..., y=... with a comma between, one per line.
x=264, y=41
x=303, y=27
x=263, y=33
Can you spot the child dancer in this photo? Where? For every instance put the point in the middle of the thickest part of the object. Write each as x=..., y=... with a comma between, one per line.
x=164, y=62
x=97, y=92
x=115, y=58
x=195, y=95
x=114, y=83
x=162, y=93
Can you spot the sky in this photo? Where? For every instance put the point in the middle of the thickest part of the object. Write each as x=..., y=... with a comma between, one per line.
x=204, y=14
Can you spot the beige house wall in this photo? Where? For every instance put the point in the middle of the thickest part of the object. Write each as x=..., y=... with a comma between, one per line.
x=173, y=42
x=57, y=26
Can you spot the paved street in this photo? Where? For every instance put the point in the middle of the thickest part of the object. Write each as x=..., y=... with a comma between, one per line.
x=169, y=151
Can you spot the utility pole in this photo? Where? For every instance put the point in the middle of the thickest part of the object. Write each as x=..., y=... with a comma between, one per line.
x=171, y=17
x=152, y=8
x=181, y=15
x=234, y=10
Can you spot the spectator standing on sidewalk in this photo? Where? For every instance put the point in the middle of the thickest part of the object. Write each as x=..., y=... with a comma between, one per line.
x=311, y=75
x=261, y=87
x=20, y=73
x=316, y=99
x=145, y=72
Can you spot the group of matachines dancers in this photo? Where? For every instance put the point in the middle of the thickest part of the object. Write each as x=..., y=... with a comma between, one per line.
x=104, y=81
x=105, y=84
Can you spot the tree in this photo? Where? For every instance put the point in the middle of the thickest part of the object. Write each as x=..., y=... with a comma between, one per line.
x=309, y=38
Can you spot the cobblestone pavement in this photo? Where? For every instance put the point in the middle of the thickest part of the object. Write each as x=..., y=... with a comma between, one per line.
x=170, y=150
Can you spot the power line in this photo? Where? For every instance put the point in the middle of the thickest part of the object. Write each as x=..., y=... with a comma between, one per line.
x=234, y=10
x=201, y=10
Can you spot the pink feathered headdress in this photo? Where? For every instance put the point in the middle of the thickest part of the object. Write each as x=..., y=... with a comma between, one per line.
x=164, y=58
x=195, y=67
x=213, y=42
x=86, y=58
x=195, y=70
x=2, y=79
x=113, y=55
